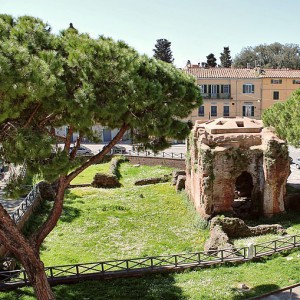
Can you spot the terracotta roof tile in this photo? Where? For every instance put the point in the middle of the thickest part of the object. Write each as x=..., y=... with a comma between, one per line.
x=241, y=73
x=221, y=73
x=280, y=73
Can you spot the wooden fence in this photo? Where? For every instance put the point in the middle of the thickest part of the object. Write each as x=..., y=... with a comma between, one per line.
x=145, y=265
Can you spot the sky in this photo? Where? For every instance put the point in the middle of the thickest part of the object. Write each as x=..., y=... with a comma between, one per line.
x=195, y=28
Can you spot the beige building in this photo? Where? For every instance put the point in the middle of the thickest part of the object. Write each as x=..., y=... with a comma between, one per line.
x=231, y=92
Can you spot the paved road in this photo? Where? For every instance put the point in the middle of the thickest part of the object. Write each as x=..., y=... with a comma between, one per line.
x=9, y=204
x=178, y=148
x=284, y=295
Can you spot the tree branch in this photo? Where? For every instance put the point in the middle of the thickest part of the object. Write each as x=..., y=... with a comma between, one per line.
x=98, y=157
x=32, y=115
x=38, y=237
x=49, y=117
x=10, y=236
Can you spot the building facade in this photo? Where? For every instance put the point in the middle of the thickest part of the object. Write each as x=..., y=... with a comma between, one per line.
x=230, y=92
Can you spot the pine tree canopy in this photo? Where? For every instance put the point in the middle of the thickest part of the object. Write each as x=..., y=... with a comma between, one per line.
x=162, y=51
x=48, y=80
x=211, y=60
x=284, y=117
x=71, y=79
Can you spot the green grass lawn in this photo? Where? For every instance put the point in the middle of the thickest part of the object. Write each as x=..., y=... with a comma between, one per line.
x=132, y=221
x=87, y=176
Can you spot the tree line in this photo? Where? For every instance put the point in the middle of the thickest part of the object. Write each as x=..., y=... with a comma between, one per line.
x=273, y=56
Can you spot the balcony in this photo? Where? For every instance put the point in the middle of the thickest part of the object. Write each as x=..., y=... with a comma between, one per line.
x=216, y=95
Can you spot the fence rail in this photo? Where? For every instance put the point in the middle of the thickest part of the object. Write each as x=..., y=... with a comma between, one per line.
x=138, y=266
x=159, y=154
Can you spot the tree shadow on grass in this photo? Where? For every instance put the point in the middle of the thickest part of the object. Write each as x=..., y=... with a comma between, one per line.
x=69, y=214
x=255, y=291
x=287, y=219
x=146, y=288
x=22, y=293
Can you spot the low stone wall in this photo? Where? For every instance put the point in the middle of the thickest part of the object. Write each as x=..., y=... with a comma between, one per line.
x=157, y=161
x=23, y=213
x=222, y=229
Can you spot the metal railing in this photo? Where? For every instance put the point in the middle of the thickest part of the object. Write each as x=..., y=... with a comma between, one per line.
x=135, y=266
x=216, y=95
x=25, y=204
x=159, y=154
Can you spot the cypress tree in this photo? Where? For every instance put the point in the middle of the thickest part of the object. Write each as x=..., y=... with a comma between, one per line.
x=163, y=51
x=225, y=58
x=211, y=60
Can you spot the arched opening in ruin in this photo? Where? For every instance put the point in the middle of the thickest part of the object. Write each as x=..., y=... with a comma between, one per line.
x=243, y=192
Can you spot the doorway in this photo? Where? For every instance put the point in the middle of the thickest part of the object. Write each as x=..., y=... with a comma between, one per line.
x=243, y=192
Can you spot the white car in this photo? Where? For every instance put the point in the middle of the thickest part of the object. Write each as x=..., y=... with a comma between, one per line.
x=298, y=163
x=117, y=149
x=82, y=151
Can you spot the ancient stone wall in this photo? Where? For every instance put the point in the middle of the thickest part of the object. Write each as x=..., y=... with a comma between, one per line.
x=157, y=161
x=245, y=167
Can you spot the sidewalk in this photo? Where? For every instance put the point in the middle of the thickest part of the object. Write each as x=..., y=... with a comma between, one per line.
x=10, y=205
x=283, y=295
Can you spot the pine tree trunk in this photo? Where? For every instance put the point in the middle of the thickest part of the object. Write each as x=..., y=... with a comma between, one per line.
x=27, y=254
x=38, y=279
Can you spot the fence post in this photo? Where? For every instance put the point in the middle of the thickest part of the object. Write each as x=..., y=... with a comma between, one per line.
x=127, y=265
x=250, y=251
x=77, y=271
x=51, y=273
x=294, y=238
x=275, y=246
x=175, y=260
x=222, y=255
x=25, y=277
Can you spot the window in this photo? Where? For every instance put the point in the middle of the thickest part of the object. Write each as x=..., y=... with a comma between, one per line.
x=248, y=109
x=201, y=111
x=213, y=111
x=225, y=88
x=296, y=81
x=276, y=81
x=226, y=111
x=214, y=89
x=248, y=88
x=203, y=88
x=275, y=95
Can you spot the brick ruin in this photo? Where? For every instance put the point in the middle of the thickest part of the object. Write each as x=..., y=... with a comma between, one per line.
x=236, y=166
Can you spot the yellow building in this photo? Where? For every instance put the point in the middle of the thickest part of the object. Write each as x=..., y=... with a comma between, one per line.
x=231, y=92
x=277, y=85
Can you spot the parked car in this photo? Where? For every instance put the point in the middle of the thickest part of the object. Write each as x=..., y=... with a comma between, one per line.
x=82, y=151
x=117, y=149
x=298, y=163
